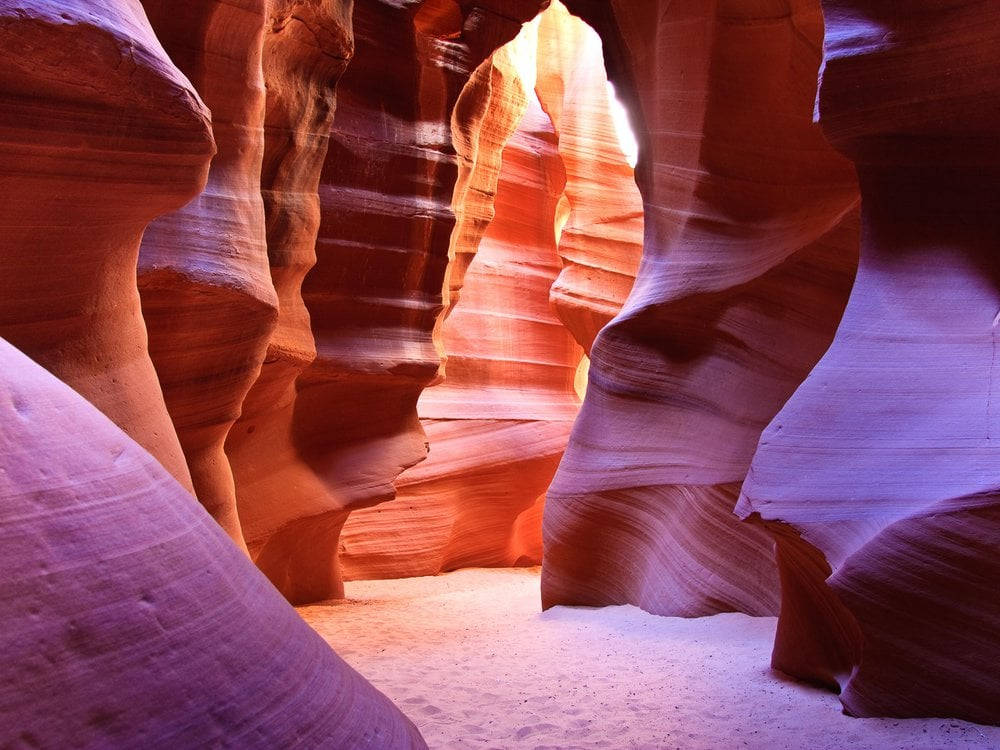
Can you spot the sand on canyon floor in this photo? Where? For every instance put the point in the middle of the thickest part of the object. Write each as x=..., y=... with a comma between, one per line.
x=472, y=661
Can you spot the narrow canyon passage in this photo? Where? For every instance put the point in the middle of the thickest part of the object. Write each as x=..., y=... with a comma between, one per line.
x=471, y=660
x=511, y=374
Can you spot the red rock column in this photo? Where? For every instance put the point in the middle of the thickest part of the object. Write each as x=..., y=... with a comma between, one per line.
x=337, y=434
x=306, y=48
x=879, y=477
x=207, y=296
x=129, y=619
x=499, y=421
x=746, y=267
x=99, y=133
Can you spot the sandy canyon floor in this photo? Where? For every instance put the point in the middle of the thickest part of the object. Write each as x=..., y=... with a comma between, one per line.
x=472, y=661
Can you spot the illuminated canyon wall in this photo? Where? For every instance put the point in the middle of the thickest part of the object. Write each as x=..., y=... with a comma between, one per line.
x=747, y=262
x=557, y=257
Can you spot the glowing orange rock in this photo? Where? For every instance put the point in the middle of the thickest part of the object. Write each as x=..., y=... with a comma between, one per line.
x=329, y=426
x=498, y=423
x=207, y=296
x=97, y=139
x=602, y=238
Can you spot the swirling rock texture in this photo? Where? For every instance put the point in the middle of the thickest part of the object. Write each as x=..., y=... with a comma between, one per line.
x=497, y=425
x=486, y=114
x=306, y=47
x=207, y=296
x=601, y=241
x=99, y=135
x=499, y=421
x=127, y=616
x=748, y=258
x=878, y=479
x=334, y=427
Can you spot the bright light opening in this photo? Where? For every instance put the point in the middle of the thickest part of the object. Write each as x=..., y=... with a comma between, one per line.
x=623, y=128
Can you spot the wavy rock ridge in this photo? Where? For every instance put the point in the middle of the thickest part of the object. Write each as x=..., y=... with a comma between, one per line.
x=498, y=422
x=885, y=512
x=130, y=619
x=747, y=262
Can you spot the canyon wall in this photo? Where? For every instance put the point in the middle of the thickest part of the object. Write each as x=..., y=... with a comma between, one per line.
x=127, y=616
x=601, y=241
x=98, y=135
x=878, y=479
x=748, y=257
x=498, y=422
x=332, y=420
x=207, y=297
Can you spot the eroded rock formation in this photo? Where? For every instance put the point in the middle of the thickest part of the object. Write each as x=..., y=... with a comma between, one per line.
x=306, y=48
x=98, y=135
x=329, y=427
x=601, y=241
x=878, y=478
x=747, y=263
x=498, y=423
x=207, y=296
x=127, y=616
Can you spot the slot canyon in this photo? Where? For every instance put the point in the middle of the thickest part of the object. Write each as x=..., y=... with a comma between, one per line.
x=550, y=374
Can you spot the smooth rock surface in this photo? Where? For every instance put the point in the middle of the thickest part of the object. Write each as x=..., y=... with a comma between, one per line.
x=306, y=47
x=748, y=258
x=99, y=134
x=878, y=478
x=129, y=619
x=207, y=297
x=498, y=422
x=333, y=422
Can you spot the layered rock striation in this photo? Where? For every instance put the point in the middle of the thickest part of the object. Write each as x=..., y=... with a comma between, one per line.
x=601, y=240
x=306, y=48
x=207, y=297
x=747, y=262
x=498, y=422
x=878, y=479
x=330, y=425
x=128, y=618
x=99, y=135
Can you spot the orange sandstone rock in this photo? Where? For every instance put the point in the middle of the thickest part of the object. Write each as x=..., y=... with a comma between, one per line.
x=99, y=135
x=306, y=48
x=206, y=290
x=602, y=238
x=328, y=428
x=498, y=422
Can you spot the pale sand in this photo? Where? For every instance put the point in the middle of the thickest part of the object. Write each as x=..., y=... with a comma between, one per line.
x=471, y=660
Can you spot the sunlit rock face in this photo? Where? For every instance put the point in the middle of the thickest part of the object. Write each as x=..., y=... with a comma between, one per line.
x=127, y=616
x=98, y=136
x=879, y=477
x=207, y=296
x=332, y=421
x=601, y=241
x=749, y=253
x=498, y=422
